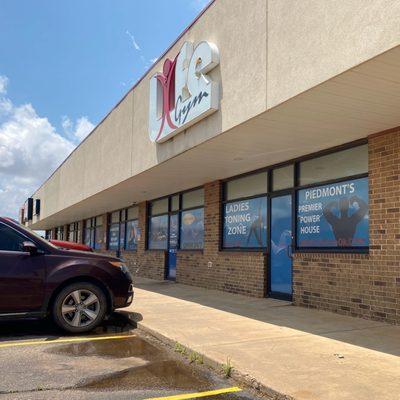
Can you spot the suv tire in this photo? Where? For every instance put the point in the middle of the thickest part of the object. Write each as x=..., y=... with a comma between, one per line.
x=79, y=307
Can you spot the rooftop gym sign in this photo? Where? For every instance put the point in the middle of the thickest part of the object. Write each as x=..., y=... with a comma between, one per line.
x=183, y=93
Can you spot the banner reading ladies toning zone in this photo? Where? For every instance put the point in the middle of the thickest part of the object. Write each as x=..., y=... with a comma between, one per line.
x=333, y=215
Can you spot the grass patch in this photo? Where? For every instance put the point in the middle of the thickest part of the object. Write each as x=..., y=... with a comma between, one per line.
x=195, y=358
x=180, y=348
x=227, y=368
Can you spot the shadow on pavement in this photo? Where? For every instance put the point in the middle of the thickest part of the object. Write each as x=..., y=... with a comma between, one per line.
x=23, y=329
x=364, y=333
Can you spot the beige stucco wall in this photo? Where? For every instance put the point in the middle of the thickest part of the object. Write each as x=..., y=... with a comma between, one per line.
x=119, y=147
x=270, y=51
x=310, y=41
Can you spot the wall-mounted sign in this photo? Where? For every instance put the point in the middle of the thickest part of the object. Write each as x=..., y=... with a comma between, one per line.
x=333, y=215
x=183, y=93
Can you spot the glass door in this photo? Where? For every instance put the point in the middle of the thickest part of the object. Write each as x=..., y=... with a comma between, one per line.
x=281, y=247
x=172, y=246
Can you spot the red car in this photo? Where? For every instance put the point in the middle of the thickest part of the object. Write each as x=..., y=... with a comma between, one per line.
x=62, y=244
x=77, y=288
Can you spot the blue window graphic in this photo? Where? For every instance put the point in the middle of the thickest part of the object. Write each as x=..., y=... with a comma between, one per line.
x=192, y=229
x=334, y=215
x=245, y=223
x=132, y=234
x=158, y=232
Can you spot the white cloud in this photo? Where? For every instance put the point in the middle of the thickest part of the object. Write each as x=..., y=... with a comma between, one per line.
x=3, y=84
x=153, y=60
x=134, y=43
x=76, y=131
x=30, y=150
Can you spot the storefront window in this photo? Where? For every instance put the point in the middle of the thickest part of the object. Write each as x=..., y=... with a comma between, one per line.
x=113, y=236
x=159, y=206
x=194, y=198
x=192, y=229
x=94, y=232
x=334, y=215
x=158, y=232
x=89, y=234
x=187, y=209
x=349, y=162
x=245, y=213
x=249, y=185
x=74, y=232
x=192, y=220
x=245, y=223
x=60, y=233
x=283, y=177
x=132, y=234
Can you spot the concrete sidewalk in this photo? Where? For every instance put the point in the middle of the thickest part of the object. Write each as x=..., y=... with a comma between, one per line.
x=306, y=354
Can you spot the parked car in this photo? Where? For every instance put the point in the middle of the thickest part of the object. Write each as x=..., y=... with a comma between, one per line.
x=77, y=288
x=62, y=244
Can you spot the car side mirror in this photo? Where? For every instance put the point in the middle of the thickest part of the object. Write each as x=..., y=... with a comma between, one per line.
x=29, y=247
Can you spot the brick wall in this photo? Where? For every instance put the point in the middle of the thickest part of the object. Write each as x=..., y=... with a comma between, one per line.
x=146, y=263
x=235, y=272
x=362, y=285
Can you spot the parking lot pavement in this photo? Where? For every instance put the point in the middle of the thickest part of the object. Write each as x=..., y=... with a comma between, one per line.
x=115, y=362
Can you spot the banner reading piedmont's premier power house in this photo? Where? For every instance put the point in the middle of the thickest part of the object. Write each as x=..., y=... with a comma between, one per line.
x=333, y=215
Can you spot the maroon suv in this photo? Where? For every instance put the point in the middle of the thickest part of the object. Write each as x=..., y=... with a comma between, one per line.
x=78, y=289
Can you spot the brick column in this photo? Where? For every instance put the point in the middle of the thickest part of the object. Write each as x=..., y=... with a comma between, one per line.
x=363, y=285
x=82, y=229
x=65, y=229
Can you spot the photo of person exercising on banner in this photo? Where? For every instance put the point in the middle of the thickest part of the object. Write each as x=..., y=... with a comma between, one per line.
x=344, y=225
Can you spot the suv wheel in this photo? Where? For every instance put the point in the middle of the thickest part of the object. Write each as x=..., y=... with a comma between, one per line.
x=79, y=307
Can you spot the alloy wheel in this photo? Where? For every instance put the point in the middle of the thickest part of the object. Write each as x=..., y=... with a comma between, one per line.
x=80, y=308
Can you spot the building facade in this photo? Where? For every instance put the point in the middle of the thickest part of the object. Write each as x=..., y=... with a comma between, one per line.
x=253, y=159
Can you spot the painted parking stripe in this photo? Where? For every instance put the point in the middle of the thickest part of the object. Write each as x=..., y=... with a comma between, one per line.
x=66, y=340
x=198, y=394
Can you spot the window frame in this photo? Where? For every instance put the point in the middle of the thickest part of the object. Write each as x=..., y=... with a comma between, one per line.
x=170, y=212
x=121, y=221
x=294, y=192
x=92, y=230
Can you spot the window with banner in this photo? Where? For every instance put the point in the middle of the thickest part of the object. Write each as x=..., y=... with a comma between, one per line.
x=158, y=232
x=192, y=220
x=192, y=229
x=245, y=212
x=123, y=230
x=188, y=209
x=333, y=215
x=60, y=233
x=132, y=235
x=74, y=232
x=245, y=223
x=93, y=234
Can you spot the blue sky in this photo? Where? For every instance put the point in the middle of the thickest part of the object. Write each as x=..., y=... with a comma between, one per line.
x=63, y=66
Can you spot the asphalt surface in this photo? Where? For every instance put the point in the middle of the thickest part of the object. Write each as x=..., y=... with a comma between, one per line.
x=38, y=361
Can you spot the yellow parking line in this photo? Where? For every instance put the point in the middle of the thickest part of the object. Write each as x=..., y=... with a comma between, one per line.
x=198, y=394
x=66, y=340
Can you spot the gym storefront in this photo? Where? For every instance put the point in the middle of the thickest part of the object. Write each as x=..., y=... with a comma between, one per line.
x=279, y=181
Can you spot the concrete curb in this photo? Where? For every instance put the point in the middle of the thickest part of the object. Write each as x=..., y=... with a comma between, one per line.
x=242, y=378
